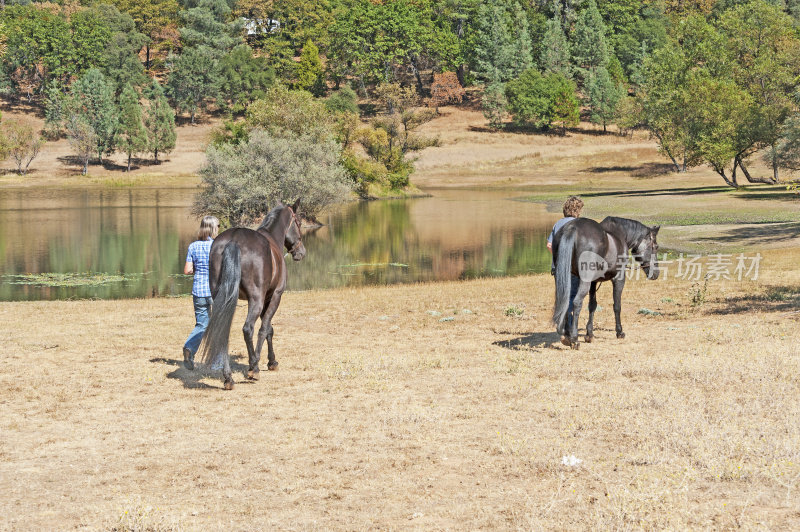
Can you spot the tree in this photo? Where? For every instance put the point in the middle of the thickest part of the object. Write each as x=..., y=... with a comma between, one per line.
x=285, y=112
x=82, y=139
x=151, y=18
x=540, y=101
x=241, y=182
x=22, y=142
x=766, y=59
x=555, y=49
x=446, y=89
x=193, y=80
x=309, y=70
x=492, y=47
x=131, y=133
x=207, y=25
x=159, y=122
x=590, y=49
x=119, y=58
x=494, y=104
x=92, y=98
x=604, y=96
x=243, y=78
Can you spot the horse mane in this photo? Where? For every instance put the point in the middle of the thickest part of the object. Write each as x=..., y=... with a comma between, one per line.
x=632, y=230
x=272, y=217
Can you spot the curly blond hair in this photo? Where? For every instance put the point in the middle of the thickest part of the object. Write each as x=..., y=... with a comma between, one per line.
x=573, y=207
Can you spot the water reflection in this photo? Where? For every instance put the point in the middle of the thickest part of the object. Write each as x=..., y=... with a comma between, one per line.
x=141, y=236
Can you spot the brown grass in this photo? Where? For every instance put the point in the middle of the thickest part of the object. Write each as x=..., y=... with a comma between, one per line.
x=384, y=416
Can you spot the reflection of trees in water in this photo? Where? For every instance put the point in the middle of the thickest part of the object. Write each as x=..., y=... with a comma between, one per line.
x=379, y=243
x=144, y=235
x=97, y=232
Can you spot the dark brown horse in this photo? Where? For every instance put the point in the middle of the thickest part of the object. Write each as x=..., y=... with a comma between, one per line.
x=594, y=252
x=248, y=264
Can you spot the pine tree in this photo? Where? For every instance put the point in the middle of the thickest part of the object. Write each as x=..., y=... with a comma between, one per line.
x=309, y=70
x=590, y=48
x=555, y=48
x=159, y=121
x=604, y=96
x=493, y=50
x=522, y=58
x=193, y=79
x=131, y=134
x=92, y=98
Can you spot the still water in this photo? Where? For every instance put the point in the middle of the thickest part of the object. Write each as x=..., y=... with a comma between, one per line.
x=126, y=243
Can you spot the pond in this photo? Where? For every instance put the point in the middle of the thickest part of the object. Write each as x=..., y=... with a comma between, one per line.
x=127, y=243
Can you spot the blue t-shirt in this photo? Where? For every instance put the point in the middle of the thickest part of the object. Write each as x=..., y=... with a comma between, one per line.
x=198, y=255
x=559, y=224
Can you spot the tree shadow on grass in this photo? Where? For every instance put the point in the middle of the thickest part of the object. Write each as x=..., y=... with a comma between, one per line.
x=192, y=379
x=764, y=233
x=775, y=299
x=643, y=171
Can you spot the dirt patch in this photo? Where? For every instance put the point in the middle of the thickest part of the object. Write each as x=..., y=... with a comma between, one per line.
x=427, y=406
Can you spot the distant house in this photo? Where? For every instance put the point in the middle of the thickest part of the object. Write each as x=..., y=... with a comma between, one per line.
x=257, y=26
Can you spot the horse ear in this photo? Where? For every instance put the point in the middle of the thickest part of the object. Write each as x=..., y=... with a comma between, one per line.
x=296, y=205
x=655, y=229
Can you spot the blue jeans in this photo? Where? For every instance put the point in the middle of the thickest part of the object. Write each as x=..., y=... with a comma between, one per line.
x=202, y=306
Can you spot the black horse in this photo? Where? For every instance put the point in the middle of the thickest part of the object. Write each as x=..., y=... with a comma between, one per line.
x=248, y=264
x=597, y=252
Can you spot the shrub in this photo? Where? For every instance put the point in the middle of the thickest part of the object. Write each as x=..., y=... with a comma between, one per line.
x=494, y=105
x=241, y=183
x=22, y=142
x=446, y=89
x=284, y=112
x=540, y=101
x=344, y=100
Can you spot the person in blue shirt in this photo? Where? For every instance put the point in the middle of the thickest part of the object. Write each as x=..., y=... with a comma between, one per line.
x=572, y=209
x=197, y=260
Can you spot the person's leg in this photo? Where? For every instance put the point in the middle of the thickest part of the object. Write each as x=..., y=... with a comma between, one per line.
x=202, y=305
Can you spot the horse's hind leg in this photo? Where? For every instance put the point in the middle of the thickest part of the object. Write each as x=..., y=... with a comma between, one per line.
x=266, y=331
x=592, y=308
x=254, y=307
x=618, y=284
x=577, y=303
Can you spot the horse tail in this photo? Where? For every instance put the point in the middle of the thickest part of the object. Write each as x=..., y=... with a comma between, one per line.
x=215, y=339
x=566, y=247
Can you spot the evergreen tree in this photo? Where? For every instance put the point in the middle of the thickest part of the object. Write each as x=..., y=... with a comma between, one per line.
x=193, y=79
x=309, y=70
x=243, y=78
x=207, y=24
x=92, y=98
x=604, y=96
x=555, y=49
x=159, y=121
x=131, y=134
x=493, y=51
x=590, y=48
x=522, y=58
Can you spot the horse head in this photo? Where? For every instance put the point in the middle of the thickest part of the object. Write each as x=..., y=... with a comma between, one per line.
x=293, y=240
x=646, y=252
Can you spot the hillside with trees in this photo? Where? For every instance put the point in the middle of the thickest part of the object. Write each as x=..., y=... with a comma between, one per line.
x=713, y=82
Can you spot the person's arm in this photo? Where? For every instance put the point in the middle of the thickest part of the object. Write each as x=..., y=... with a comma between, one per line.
x=188, y=268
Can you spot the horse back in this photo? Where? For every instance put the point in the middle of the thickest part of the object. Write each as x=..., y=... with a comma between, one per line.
x=261, y=261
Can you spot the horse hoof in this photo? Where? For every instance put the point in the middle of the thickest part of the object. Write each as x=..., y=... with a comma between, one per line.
x=229, y=385
x=621, y=335
x=588, y=339
x=187, y=359
x=272, y=366
x=253, y=375
x=575, y=345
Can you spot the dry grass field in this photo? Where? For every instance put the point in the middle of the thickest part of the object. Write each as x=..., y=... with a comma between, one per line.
x=427, y=407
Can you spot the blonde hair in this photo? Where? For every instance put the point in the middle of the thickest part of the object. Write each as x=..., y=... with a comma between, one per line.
x=573, y=207
x=209, y=227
